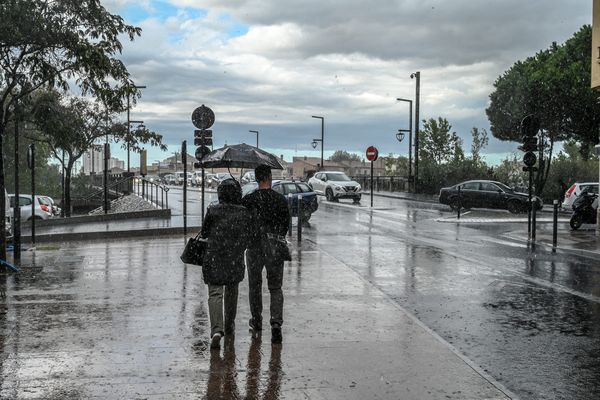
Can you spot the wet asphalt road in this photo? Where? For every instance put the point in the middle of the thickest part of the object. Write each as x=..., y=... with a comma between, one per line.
x=530, y=318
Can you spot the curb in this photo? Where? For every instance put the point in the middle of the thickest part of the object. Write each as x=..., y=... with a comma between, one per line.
x=163, y=213
x=558, y=249
x=79, y=236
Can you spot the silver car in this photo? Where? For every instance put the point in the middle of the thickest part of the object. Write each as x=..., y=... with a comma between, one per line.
x=42, y=207
x=335, y=185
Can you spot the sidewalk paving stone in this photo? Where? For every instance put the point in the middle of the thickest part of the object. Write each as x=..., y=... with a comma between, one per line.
x=126, y=319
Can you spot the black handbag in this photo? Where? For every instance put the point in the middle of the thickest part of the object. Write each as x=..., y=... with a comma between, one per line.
x=276, y=247
x=194, y=250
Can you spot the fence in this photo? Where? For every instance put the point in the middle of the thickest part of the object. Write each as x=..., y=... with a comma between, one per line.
x=383, y=183
x=148, y=190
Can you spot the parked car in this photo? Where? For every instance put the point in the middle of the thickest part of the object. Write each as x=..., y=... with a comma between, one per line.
x=50, y=201
x=248, y=177
x=335, y=185
x=8, y=215
x=575, y=191
x=43, y=208
x=170, y=179
x=196, y=179
x=486, y=194
x=309, y=197
x=220, y=177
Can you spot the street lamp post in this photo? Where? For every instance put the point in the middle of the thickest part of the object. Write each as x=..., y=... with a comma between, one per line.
x=322, y=138
x=417, y=76
x=410, y=177
x=251, y=131
x=129, y=122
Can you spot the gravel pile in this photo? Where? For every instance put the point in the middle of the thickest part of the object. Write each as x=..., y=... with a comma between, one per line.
x=126, y=204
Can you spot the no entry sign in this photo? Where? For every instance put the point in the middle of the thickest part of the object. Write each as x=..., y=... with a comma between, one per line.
x=372, y=153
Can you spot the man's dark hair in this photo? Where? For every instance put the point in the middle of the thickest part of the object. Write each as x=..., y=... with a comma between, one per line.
x=262, y=173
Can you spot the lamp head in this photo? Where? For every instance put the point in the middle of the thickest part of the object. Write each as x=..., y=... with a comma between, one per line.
x=314, y=144
x=400, y=136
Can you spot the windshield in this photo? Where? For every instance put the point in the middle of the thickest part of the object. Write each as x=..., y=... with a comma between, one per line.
x=504, y=187
x=337, y=176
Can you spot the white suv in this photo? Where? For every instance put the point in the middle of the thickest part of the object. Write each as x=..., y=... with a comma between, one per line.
x=575, y=191
x=335, y=185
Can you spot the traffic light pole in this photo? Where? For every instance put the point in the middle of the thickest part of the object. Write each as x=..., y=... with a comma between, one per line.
x=184, y=161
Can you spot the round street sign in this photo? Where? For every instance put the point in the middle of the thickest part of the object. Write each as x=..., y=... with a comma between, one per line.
x=203, y=117
x=372, y=153
x=201, y=151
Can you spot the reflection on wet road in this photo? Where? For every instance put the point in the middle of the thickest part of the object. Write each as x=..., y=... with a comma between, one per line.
x=529, y=318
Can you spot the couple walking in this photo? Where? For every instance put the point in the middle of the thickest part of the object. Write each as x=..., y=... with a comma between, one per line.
x=233, y=227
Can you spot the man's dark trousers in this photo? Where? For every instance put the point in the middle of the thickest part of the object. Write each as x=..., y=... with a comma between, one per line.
x=256, y=262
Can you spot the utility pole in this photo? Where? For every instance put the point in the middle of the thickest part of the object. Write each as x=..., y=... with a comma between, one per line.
x=129, y=121
x=17, y=205
x=417, y=76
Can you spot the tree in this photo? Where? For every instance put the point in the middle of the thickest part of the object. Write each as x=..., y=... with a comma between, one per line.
x=554, y=86
x=51, y=43
x=343, y=155
x=480, y=140
x=396, y=166
x=70, y=127
x=437, y=143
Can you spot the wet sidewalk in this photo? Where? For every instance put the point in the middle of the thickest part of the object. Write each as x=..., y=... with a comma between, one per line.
x=125, y=319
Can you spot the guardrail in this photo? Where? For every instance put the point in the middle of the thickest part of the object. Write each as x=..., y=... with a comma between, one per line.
x=383, y=183
x=151, y=192
x=155, y=193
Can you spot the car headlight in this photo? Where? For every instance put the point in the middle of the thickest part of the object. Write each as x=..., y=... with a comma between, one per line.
x=337, y=188
x=358, y=188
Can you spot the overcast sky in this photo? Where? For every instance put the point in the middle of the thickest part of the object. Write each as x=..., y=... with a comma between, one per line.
x=268, y=65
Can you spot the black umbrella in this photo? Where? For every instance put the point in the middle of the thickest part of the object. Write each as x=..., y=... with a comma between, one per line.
x=239, y=156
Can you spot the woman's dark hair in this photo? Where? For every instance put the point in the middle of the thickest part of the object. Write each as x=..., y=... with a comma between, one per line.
x=229, y=191
x=262, y=173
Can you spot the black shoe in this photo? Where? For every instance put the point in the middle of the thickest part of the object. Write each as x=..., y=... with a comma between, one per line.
x=276, y=336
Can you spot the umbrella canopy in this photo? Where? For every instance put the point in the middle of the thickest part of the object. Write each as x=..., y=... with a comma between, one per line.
x=239, y=156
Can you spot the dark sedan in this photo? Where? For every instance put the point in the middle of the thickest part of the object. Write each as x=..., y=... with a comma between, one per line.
x=309, y=197
x=486, y=194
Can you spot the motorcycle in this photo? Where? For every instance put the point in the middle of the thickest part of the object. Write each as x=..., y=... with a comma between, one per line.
x=584, y=211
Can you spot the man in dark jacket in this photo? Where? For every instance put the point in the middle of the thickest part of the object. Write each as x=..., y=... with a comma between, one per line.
x=227, y=226
x=270, y=217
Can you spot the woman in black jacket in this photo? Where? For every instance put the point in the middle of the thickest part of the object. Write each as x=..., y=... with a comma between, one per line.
x=227, y=227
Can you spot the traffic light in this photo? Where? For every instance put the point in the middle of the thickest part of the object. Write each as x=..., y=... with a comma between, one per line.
x=530, y=126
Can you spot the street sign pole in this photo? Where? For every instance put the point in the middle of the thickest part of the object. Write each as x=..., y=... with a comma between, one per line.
x=371, y=184
x=202, y=118
x=372, y=155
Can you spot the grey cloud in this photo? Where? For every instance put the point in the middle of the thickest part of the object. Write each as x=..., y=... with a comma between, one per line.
x=432, y=31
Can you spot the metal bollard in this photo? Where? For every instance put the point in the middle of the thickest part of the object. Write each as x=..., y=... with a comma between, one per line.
x=533, y=219
x=290, y=199
x=459, y=203
x=300, y=217
x=555, y=226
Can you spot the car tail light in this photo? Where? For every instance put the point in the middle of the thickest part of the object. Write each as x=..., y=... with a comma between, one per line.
x=45, y=208
x=570, y=191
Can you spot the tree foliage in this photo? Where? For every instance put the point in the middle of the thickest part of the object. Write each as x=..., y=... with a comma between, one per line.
x=554, y=85
x=343, y=155
x=51, y=43
x=438, y=143
x=71, y=126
